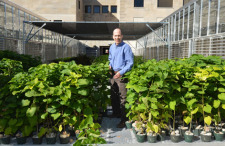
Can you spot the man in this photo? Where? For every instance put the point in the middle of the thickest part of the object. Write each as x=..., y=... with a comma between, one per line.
x=121, y=61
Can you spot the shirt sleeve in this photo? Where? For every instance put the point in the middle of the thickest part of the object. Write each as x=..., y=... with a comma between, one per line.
x=129, y=60
x=110, y=57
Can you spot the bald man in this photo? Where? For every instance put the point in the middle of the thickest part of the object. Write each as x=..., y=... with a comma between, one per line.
x=121, y=61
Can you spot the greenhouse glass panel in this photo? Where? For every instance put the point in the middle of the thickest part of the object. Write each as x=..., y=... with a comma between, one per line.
x=185, y=23
x=177, y=26
x=9, y=23
x=222, y=16
x=181, y=25
x=213, y=17
x=21, y=23
x=197, y=18
x=204, y=18
x=191, y=21
x=16, y=22
x=2, y=18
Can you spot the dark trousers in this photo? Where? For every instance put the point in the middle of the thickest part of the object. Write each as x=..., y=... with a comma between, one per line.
x=118, y=97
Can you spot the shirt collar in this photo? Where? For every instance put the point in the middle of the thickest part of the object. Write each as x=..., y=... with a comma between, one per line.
x=120, y=44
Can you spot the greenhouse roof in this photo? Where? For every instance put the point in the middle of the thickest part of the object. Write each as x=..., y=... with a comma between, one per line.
x=89, y=30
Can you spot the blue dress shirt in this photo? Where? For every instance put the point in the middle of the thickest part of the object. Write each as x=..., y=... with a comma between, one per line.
x=121, y=57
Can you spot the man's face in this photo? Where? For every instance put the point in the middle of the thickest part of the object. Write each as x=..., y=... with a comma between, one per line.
x=117, y=36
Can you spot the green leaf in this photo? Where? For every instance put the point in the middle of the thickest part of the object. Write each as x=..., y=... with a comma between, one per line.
x=51, y=110
x=194, y=111
x=83, y=82
x=85, y=122
x=223, y=106
x=156, y=128
x=60, y=128
x=31, y=111
x=208, y=120
x=87, y=111
x=155, y=113
x=43, y=116
x=216, y=103
x=154, y=106
x=221, y=96
x=221, y=89
x=187, y=120
x=12, y=122
x=42, y=132
x=191, y=102
x=55, y=116
x=32, y=93
x=208, y=108
x=172, y=105
x=83, y=92
x=25, y=102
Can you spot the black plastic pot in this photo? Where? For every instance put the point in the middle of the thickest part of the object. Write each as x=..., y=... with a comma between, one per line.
x=37, y=140
x=182, y=131
x=141, y=137
x=128, y=124
x=188, y=138
x=5, y=139
x=64, y=140
x=161, y=136
x=71, y=131
x=175, y=138
x=206, y=138
x=218, y=136
x=197, y=132
x=51, y=140
x=21, y=140
x=152, y=138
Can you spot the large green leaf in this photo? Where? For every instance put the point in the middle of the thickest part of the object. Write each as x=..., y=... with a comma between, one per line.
x=85, y=122
x=25, y=102
x=187, y=120
x=44, y=115
x=56, y=115
x=83, y=82
x=208, y=108
x=208, y=120
x=194, y=111
x=172, y=105
x=12, y=122
x=191, y=102
x=83, y=92
x=216, y=103
x=221, y=96
x=31, y=111
x=221, y=89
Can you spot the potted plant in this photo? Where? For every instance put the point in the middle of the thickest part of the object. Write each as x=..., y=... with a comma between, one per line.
x=152, y=132
x=217, y=132
x=206, y=134
x=175, y=136
x=193, y=109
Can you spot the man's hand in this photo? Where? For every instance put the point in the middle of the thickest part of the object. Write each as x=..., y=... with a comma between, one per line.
x=110, y=70
x=117, y=75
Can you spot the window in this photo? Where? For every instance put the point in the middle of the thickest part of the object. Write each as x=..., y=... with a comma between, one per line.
x=88, y=9
x=138, y=3
x=163, y=3
x=113, y=9
x=79, y=4
x=105, y=9
x=96, y=9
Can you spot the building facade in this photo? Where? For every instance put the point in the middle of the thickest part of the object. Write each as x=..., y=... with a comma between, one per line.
x=103, y=10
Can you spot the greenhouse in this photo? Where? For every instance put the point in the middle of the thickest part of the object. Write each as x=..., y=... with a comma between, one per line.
x=53, y=93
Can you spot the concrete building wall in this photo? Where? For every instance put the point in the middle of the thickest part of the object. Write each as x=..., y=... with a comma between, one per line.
x=74, y=10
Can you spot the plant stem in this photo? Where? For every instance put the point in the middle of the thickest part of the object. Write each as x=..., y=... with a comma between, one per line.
x=190, y=123
x=174, y=121
x=203, y=104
